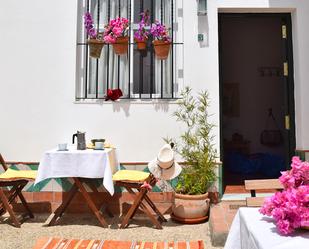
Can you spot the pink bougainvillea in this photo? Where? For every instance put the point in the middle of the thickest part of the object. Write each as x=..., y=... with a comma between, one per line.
x=116, y=28
x=88, y=22
x=290, y=208
x=142, y=34
x=160, y=32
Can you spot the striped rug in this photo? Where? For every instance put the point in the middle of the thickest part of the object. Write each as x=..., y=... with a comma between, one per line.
x=57, y=243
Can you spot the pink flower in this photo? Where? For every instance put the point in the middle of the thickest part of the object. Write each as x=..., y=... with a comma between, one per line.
x=284, y=227
x=290, y=208
x=109, y=39
x=117, y=31
x=147, y=186
x=117, y=27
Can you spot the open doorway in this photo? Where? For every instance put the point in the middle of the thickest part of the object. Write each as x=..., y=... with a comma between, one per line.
x=257, y=103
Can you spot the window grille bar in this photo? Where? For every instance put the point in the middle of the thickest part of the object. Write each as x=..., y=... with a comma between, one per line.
x=151, y=54
x=97, y=60
x=141, y=62
x=107, y=66
x=161, y=60
x=172, y=47
x=87, y=60
x=129, y=56
x=118, y=59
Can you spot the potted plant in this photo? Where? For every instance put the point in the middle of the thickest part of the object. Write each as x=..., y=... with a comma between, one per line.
x=162, y=41
x=196, y=148
x=116, y=33
x=95, y=40
x=141, y=35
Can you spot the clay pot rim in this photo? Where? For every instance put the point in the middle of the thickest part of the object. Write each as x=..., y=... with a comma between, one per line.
x=191, y=197
x=138, y=41
x=160, y=43
x=95, y=41
x=121, y=40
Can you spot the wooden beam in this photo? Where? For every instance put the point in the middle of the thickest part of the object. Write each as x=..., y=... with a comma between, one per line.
x=263, y=184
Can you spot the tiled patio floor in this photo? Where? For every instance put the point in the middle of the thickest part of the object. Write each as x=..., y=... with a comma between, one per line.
x=85, y=226
x=221, y=218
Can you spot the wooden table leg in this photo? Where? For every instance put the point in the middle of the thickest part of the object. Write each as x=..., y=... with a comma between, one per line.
x=104, y=208
x=60, y=210
x=10, y=196
x=139, y=197
x=23, y=201
x=153, y=206
x=8, y=208
x=90, y=203
x=132, y=210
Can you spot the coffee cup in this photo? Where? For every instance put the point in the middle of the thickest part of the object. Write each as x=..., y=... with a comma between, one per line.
x=63, y=146
x=93, y=141
x=99, y=145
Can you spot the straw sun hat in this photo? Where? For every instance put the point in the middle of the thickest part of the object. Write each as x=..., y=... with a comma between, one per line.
x=164, y=165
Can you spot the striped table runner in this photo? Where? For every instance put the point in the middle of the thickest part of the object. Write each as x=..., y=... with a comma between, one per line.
x=57, y=243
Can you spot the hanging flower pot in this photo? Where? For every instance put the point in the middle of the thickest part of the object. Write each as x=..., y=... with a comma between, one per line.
x=95, y=40
x=162, y=49
x=141, y=35
x=141, y=45
x=95, y=47
x=121, y=45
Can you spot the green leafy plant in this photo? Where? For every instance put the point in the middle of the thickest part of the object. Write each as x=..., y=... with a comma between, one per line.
x=196, y=143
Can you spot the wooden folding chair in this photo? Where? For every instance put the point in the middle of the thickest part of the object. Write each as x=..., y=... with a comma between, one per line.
x=16, y=180
x=138, y=183
x=253, y=185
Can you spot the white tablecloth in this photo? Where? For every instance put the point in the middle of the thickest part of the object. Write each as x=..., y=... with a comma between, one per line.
x=79, y=163
x=252, y=230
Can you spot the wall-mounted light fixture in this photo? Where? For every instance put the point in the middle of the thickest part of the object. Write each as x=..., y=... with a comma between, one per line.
x=201, y=7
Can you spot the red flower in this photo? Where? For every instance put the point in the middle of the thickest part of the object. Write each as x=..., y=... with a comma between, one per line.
x=113, y=94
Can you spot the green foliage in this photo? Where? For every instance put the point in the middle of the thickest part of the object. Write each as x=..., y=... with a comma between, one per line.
x=195, y=145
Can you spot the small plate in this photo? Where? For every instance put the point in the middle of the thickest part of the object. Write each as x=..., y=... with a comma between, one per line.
x=98, y=149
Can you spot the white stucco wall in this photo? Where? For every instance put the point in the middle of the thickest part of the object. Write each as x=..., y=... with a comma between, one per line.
x=37, y=83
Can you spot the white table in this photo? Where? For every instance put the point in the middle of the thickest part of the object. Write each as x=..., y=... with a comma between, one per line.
x=252, y=230
x=79, y=164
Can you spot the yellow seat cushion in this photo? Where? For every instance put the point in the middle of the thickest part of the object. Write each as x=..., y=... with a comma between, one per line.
x=130, y=176
x=11, y=173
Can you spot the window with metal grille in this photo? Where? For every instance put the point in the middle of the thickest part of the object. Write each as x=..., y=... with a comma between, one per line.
x=139, y=74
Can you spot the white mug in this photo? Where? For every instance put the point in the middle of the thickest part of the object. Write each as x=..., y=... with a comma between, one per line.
x=99, y=145
x=62, y=146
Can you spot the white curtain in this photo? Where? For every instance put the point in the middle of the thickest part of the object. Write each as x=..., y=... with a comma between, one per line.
x=109, y=63
x=164, y=16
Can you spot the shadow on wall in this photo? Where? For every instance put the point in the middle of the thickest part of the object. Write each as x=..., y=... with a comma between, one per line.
x=203, y=29
x=162, y=106
x=125, y=106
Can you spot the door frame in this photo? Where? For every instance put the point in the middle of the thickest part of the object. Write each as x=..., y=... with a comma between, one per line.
x=290, y=108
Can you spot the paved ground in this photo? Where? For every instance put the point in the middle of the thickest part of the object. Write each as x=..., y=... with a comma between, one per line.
x=86, y=227
x=221, y=218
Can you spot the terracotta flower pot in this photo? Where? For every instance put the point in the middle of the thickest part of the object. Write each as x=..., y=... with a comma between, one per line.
x=141, y=45
x=121, y=45
x=95, y=47
x=190, y=209
x=162, y=49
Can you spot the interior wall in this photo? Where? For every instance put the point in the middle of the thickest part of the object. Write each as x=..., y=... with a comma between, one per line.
x=251, y=52
x=300, y=19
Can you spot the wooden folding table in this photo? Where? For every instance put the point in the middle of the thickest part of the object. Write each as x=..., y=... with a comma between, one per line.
x=80, y=165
